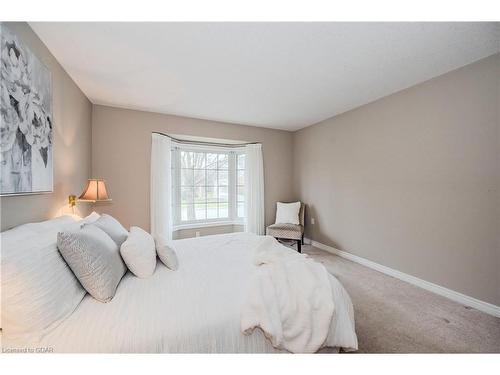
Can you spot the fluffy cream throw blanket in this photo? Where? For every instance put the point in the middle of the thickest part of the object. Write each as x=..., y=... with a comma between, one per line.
x=291, y=299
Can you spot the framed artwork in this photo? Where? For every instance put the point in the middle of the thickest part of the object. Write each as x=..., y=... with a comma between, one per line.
x=26, y=132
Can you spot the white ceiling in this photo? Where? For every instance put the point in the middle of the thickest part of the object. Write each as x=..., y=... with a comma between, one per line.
x=277, y=75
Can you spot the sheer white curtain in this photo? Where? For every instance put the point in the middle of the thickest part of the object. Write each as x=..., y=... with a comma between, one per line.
x=254, y=183
x=161, y=186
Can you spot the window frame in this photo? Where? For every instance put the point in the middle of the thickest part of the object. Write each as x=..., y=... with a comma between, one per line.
x=232, y=218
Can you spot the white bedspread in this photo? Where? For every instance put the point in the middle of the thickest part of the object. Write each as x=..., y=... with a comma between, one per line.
x=290, y=298
x=194, y=309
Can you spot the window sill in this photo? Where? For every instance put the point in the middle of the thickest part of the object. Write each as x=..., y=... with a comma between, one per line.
x=205, y=225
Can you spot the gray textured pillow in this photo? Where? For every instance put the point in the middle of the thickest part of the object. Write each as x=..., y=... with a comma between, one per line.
x=95, y=260
x=166, y=253
x=112, y=227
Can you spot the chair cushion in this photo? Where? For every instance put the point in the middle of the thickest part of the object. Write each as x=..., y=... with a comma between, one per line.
x=287, y=231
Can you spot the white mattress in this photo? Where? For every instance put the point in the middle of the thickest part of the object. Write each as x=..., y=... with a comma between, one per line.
x=195, y=309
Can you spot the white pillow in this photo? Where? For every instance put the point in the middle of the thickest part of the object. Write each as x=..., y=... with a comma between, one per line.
x=47, y=225
x=39, y=290
x=139, y=252
x=166, y=253
x=288, y=213
x=112, y=227
x=94, y=258
x=93, y=217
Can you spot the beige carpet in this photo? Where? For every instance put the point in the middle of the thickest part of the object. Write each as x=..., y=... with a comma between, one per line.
x=393, y=316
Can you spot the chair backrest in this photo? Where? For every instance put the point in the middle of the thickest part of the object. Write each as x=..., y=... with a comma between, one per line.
x=302, y=213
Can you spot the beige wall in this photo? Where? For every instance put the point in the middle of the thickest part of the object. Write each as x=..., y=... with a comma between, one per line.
x=72, y=136
x=412, y=181
x=121, y=148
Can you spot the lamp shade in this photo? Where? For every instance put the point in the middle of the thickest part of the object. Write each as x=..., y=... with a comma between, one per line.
x=95, y=191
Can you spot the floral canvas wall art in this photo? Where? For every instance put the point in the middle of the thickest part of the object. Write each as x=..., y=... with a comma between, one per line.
x=26, y=134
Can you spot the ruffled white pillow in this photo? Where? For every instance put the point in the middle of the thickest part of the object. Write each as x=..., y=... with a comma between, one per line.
x=166, y=253
x=139, y=252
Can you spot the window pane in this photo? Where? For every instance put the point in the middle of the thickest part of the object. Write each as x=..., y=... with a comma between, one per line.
x=241, y=161
x=212, y=194
x=241, y=177
x=186, y=195
x=223, y=178
x=186, y=159
x=200, y=211
x=241, y=209
x=186, y=177
x=223, y=195
x=211, y=161
x=241, y=194
x=211, y=177
x=199, y=160
x=199, y=194
x=186, y=210
x=223, y=161
x=199, y=177
x=223, y=210
x=212, y=211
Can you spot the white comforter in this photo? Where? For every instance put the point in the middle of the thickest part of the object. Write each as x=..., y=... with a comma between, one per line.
x=291, y=299
x=195, y=309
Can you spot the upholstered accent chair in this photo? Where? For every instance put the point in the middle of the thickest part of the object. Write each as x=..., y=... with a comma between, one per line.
x=290, y=231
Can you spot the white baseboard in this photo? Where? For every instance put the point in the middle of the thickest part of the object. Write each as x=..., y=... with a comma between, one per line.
x=442, y=291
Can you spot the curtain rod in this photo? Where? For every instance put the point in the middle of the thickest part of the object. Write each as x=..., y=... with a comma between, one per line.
x=206, y=143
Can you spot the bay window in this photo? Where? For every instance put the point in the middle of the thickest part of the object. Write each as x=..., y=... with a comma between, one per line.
x=208, y=185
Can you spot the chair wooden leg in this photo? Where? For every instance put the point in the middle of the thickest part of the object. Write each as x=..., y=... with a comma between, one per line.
x=299, y=246
x=302, y=239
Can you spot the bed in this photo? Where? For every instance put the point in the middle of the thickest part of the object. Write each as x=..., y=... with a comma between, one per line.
x=195, y=309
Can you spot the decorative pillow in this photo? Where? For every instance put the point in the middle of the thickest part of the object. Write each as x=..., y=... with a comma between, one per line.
x=92, y=218
x=95, y=260
x=39, y=290
x=166, y=253
x=139, y=253
x=288, y=213
x=112, y=227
